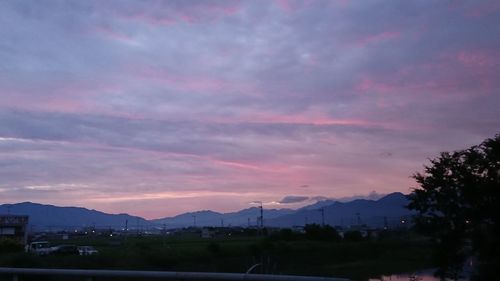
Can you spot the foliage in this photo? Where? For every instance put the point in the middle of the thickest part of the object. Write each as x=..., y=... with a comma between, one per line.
x=353, y=235
x=457, y=202
x=213, y=247
x=354, y=260
x=285, y=234
x=8, y=245
x=323, y=233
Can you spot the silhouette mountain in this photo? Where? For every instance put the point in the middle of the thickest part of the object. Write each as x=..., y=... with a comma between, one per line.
x=49, y=217
x=375, y=213
x=210, y=218
x=319, y=204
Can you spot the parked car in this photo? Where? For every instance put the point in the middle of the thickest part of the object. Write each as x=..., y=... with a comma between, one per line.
x=87, y=251
x=64, y=250
x=41, y=248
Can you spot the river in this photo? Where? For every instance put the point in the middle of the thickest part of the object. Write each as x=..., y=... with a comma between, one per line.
x=423, y=275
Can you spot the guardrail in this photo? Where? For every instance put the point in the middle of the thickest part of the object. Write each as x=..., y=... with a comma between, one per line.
x=89, y=275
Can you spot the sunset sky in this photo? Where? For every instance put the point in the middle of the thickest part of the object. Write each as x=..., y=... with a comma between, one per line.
x=155, y=108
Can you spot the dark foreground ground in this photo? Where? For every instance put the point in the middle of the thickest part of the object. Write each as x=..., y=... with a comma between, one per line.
x=357, y=259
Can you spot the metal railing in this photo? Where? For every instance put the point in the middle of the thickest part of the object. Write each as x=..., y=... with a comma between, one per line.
x=89, y=274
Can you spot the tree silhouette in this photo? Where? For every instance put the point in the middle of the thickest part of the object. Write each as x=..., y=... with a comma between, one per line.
x=458, y=203
x=318, y=232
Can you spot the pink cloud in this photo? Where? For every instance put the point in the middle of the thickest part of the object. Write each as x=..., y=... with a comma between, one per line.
x=475, y=59
x=307, y=118
x=479, y=66
x=448, y=75
x=168, y=15
x=203, y=160
x=113, y=34
x=343, y=3
x=482, y=9
x=68, y=97
x=377, y=38
x=202, y=84
x=259, y=167
x=304, y=119
x=285, y=5
x=368, y=84
x=149, y=19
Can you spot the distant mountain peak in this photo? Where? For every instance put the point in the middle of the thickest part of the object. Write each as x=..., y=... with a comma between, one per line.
x=395, y=196
x=367, y=211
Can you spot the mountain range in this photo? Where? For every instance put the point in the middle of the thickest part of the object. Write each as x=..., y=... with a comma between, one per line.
x=49, y=217
x=243, y=217
x=387, y=210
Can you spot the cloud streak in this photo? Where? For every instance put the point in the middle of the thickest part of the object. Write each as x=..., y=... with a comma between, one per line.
x=293, y=199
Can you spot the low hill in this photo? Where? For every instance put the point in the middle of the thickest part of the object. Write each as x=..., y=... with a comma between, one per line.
x=49, y=217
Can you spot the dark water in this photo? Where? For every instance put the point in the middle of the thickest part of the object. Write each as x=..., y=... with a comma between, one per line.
x=423, y=275
x=427, y=274
x=420, y=276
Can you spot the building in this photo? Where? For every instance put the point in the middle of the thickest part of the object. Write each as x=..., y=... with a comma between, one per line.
x=14, y=227
x=207, y=233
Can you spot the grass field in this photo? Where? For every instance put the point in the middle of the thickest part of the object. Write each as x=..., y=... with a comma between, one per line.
x=357, y=260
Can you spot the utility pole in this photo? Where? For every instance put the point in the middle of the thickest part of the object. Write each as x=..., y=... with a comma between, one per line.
x=359, y=218
x=221, y=222
x=126, y=229
x=322, y=210
x=261, y=216
x=164, y=234
x=194, y=220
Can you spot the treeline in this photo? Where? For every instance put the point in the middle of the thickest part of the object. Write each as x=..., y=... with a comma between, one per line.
x=316, y=232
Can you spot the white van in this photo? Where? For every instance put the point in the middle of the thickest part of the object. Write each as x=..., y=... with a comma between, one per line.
x=41, y=248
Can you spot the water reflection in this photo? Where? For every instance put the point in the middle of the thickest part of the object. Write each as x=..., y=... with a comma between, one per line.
x=424, y=275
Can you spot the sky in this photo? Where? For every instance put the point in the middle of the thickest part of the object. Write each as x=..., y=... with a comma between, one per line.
x=155, y=108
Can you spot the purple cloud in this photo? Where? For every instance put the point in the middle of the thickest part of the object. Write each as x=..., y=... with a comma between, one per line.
x=291, y=199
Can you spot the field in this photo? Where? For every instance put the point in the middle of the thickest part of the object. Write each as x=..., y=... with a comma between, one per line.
x=278, y=254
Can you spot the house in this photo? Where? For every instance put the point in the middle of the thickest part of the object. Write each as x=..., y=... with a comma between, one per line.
x=14, y=227
x=207, y=233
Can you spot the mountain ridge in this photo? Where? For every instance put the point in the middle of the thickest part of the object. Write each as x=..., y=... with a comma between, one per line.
x=334, y=212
